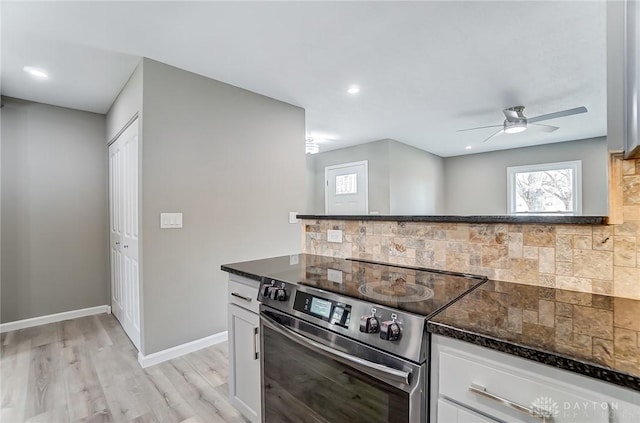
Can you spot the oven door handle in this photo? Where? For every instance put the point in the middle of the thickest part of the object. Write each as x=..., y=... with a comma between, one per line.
x=373, y=369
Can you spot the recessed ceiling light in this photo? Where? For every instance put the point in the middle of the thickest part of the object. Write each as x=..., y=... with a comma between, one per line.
x=354, y=89
x=468, y=147
x=35, y=72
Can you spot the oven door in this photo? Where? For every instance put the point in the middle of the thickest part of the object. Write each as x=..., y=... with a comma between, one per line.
x=310, y=374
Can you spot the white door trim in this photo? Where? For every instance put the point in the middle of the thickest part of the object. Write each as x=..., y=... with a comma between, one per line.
x=338, y=166
x=124, y=128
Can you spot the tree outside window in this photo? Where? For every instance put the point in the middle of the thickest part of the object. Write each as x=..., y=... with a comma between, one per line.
x=550, y=188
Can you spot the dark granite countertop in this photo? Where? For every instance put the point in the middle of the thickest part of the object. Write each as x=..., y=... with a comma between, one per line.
x=559, y=220
x=594, y=335
x=413, y=289
x=290, y=268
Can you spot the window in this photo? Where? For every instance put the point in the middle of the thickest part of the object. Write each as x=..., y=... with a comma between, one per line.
x=347, y=184
x=549, y=188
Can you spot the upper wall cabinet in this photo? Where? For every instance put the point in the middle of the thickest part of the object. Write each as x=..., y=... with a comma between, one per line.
x=632, y=78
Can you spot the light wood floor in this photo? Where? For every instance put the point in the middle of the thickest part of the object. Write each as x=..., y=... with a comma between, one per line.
x=86, y=370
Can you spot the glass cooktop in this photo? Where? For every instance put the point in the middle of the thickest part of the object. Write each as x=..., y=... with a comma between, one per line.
x=419, y=291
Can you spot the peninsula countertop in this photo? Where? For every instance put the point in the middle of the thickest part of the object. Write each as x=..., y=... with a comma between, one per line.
x=590, y=334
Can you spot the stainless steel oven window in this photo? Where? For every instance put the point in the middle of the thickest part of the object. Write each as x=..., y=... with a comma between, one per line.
x=313, y=375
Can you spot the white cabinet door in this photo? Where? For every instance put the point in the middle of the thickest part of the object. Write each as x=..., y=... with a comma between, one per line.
x=244, y=362
x=453, y=413
x=124, y=231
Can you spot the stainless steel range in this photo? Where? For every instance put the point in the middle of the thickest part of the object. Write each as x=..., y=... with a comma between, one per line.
x=347, y=342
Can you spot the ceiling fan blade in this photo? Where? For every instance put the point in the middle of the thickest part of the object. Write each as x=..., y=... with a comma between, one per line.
x=479, y=127
x=494, y=135
x=555, y=115
x=546, y=128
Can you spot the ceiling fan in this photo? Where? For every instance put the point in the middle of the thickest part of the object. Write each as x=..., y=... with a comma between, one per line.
x=312, y=145
x=516, y=121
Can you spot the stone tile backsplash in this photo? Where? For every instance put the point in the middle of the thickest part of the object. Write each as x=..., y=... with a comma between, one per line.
x=603, y=259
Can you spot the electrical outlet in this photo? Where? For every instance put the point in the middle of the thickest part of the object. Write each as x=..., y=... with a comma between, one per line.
x=334, y=235
x=334, y=275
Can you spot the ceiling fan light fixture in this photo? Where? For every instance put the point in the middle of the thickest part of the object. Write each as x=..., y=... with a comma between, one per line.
x=516, y=121
x=311, y=147
x=515, y=126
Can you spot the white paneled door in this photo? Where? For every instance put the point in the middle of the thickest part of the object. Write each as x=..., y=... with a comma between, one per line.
x=124, y=231
x=347, y=188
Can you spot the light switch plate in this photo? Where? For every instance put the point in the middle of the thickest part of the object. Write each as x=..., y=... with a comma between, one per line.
x=170, y=220
x=334, y=235
x=293, y=218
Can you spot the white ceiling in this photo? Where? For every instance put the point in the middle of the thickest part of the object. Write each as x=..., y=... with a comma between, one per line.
x=425, y=68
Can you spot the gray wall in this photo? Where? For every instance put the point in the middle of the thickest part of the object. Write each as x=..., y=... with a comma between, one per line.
x=54, y=210
x=233, y=162
x=377, y=153
x=415, y=181
x=310, y=188
x=477, y=183
x=402, y=179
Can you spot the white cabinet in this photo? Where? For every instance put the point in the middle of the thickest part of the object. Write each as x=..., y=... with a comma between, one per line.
x=475, y=384
x=632, y=79
x=244, y=345
x=454, y=413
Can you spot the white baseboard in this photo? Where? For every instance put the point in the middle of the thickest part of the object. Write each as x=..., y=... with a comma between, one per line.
x=179, y=350
x=52, y=318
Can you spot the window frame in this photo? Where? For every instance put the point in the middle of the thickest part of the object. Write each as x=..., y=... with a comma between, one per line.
x=575, y=165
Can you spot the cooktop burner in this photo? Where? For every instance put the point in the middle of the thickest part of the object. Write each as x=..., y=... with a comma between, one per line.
x=418, y=291
x=399, y=291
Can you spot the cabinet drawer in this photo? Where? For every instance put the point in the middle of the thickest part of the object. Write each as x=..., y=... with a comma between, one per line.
x=244, y=293
x=453, y=413
x=510, y=394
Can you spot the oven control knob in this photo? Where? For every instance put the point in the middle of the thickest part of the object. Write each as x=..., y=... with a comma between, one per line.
x=277, y=294
x=369, y=324
x=272, y=292
x=265, y=289
x=281, y=295
x=390, y=331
